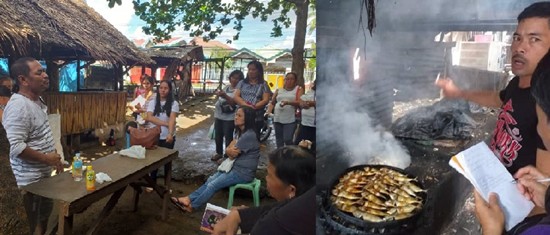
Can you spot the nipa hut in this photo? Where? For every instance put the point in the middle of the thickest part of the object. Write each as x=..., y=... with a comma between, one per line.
x=59, y=31
x=175, y=63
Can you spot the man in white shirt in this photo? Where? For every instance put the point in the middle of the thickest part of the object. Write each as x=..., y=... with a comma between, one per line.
x=32, y=146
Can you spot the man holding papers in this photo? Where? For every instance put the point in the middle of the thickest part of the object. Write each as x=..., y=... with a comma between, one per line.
x=531, y=182
x=515, y=140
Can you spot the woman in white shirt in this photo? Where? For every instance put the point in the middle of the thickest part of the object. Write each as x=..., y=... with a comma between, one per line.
x=162, y=111
x=285, y=102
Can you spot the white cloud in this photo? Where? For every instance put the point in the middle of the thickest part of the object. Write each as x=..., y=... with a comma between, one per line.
x=118, y=16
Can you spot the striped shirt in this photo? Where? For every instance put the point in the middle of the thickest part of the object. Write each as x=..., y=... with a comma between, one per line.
x=26, y=124
x=252, y=93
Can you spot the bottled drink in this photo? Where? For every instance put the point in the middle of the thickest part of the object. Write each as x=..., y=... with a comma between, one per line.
x=77, y=168
x=90, y=179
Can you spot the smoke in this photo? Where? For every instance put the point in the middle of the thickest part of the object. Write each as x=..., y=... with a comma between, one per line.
x=346, y=124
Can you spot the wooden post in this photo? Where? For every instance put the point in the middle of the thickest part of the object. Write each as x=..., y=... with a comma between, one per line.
x=52, y=69
x=77, y=75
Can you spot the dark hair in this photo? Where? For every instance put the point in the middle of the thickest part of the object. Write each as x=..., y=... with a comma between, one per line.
x=249, y=120
x=149, y=78
x=5, y=91
x=538, y=9
x=540, y=83
x=237, y=72
x=260, y=69
x=294, y=74
x=294, y=166
x=169, y=101
x=21, y=68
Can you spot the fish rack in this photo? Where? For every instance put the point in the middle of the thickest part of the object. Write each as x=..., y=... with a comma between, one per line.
x=336, y=221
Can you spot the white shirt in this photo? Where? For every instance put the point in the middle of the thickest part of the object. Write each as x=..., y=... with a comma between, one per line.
x=286, y=114
x=162, y=115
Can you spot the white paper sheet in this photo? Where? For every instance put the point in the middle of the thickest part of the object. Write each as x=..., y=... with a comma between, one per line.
x=479, y=165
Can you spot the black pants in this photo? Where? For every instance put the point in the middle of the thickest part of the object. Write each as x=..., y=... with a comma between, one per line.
x=162, y=143
x=306, y=133
x=258, y=126
x=38, y=210
x=223, y=129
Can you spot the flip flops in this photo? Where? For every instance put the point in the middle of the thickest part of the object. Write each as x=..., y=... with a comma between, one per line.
x=182, y=207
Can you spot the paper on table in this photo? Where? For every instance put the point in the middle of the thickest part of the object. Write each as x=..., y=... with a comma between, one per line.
x=487, y=174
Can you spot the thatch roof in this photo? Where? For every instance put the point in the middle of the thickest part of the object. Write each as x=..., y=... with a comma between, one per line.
x=62, y=29
x=163, y=56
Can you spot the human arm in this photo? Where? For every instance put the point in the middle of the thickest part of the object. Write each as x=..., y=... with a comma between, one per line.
x=261, y=104
x=297, y=101
x=273, y=102
x=543, y=161
x=240, y=101
x=171, y=127
x=17, y=124
x=154, y=120
x=484, y=98
x=232, y=151
x=223, y=94
x=489, y=214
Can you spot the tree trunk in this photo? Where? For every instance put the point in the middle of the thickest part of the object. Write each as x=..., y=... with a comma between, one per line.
x=298, y=62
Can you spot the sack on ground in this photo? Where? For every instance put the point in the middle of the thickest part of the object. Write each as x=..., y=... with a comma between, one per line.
x=226, y=165
x=146, y=137
x=212, y=132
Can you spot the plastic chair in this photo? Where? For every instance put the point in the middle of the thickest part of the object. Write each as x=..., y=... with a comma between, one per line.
x=253, y=186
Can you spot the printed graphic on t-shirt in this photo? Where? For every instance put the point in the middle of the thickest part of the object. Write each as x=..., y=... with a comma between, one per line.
x=506, y=141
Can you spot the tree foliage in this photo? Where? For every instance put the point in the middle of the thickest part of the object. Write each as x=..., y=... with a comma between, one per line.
x=208, y=18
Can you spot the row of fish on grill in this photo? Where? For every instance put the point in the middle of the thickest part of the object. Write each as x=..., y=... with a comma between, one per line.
x=377, y=194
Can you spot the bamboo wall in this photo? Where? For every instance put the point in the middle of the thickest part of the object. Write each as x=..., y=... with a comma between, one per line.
x=82, y=111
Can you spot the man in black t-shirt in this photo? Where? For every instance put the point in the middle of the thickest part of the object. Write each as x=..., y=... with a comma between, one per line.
x=515, y=140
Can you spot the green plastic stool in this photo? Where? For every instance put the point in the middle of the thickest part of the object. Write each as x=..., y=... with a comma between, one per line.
x=253, y=186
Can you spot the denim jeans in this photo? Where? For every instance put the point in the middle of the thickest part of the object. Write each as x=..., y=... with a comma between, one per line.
x=284, y=133
x=216, y=182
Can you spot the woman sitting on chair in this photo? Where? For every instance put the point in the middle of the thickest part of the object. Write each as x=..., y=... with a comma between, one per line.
x=291, y=181
x=244, y=151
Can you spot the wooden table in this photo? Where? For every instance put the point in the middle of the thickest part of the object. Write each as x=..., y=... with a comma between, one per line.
x=73, y=197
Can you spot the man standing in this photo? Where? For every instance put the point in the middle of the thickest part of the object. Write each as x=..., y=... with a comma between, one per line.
x=515, y=140
x=32, y=146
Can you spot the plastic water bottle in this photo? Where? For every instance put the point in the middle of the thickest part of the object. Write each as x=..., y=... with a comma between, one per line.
x=77, y=168
x=90, y=179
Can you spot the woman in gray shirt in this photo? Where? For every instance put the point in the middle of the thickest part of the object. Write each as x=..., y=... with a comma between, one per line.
x=245, y=150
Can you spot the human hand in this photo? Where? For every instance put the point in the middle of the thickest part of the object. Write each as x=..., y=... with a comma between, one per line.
x=304, y=105
x=228, y=225
x=448, y=88
x=169, y=138
x=282, y=103
x=232, y=152
x=490, y=214
x=238, y=207
x=54, y=159
x=529, y=187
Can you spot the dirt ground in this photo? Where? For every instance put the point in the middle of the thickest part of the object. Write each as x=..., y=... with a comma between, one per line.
x=189, y=171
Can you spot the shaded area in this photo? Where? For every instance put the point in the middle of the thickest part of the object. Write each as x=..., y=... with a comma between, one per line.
x=13, y=218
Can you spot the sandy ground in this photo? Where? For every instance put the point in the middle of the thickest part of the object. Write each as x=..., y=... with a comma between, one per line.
x=189, y=172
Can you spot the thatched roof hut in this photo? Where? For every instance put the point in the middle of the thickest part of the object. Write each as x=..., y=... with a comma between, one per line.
x=164, y=56
x=62, y=29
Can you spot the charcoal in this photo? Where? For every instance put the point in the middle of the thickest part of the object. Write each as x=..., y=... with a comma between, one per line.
x=444, y=120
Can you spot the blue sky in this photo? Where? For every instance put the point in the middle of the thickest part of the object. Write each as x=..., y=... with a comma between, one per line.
x=254, y=35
